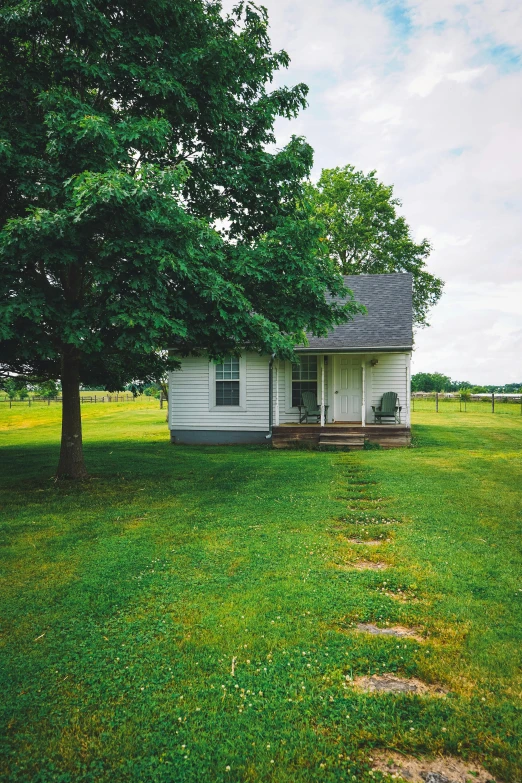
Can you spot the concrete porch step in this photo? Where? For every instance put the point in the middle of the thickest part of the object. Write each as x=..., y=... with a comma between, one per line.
x=340, y=440
x=342, y=445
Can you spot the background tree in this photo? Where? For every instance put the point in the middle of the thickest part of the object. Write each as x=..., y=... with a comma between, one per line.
x=47, y=389
x=126, y=134
x=432, y=381
x=14, y=387
x=365, y=235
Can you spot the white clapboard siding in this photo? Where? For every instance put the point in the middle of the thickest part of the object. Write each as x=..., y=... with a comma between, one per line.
x=189, y=407
x=286, y=414
x=189, y=394
x=391, y=373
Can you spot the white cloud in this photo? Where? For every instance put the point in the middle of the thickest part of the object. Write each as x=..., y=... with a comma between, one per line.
x=384, y=113
x=476, y=335
x=433, y=72
x=467, y=75
x=437, y=111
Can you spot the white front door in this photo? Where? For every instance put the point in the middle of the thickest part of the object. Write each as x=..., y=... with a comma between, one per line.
x=347, y=388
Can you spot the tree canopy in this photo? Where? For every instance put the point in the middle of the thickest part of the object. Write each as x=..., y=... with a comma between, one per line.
x=365, y=235
x=127, y=135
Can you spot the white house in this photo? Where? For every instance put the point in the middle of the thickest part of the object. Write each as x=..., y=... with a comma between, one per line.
x=257, y=399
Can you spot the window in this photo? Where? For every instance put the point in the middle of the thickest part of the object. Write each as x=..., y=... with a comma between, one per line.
x=304, y=378
x=227, y=381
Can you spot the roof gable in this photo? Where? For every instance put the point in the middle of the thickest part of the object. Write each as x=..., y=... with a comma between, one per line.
x=388, y=323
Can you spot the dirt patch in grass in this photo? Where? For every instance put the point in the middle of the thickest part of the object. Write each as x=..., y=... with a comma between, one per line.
x=368, y=542
x=390, y=683
x=365, y=565
x=443, y=769
x=361, y=504
x=402, y=596
x=399, y=631
x=367, y=520
x=361, y=565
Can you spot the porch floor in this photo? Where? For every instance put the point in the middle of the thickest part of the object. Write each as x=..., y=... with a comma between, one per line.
x=341, y=425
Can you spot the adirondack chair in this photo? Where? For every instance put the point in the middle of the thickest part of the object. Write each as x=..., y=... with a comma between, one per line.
x=388, y=409
x=310, y=407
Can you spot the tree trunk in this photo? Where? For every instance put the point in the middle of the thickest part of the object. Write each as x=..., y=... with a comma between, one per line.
x=71, y=465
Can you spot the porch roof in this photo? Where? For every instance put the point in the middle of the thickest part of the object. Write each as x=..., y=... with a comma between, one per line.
x=388, y=324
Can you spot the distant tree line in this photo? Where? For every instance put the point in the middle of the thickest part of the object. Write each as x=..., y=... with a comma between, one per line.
x=19, y=388
x=437, y=382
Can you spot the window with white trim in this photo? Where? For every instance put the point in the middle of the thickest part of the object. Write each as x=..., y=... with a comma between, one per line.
x=304, y=379
x=227, y=382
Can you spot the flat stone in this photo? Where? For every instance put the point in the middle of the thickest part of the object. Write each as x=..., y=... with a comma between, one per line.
x=397, y=630
x=389, y=683
x=442, y=769
x=401, y=596
x=357, y=520
x=369, y=541
x=363, y=565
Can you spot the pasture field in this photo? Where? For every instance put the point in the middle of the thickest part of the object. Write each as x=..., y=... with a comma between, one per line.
x=191, y=613
x=453, y=405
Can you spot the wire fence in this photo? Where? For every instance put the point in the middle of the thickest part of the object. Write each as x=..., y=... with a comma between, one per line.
x=510, y=405
x=84, y=398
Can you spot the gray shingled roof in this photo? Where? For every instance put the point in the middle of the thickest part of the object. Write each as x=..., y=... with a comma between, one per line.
x=388, y=323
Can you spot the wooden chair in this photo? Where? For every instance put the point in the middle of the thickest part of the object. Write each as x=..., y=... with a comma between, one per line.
x=388, y=409
x=310, y=407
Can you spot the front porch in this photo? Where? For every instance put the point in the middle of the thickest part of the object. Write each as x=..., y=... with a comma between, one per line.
x=345, y=388
x=350, y=435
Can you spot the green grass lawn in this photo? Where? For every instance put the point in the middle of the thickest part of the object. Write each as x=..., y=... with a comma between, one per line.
x=127, y=602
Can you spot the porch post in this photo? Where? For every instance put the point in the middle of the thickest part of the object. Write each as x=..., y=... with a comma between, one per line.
x=322, y=390
x=408, y=392
x=363, y=405
x=276, y=376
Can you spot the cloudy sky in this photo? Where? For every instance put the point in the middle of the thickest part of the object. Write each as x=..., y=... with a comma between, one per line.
x=428, y=93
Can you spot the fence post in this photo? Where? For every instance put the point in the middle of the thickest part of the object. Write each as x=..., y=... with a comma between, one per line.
x=29, y=401
x=436, y=402
x=94, y=398
x=492, y=402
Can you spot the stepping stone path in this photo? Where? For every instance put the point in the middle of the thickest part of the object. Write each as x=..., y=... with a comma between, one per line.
x=389, y=683
x=399, y=766
x=444, y=769
x=397, y=630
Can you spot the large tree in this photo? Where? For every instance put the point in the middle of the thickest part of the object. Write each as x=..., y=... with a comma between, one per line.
x=139, y=207
x=365, y=235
